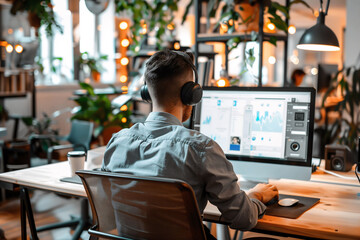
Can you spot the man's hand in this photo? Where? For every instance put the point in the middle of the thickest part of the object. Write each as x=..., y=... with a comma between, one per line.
x=264, y=192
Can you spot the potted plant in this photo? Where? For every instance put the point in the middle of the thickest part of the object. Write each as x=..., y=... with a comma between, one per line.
x=38, y=128
x=40, y=13
x=94, y=65
x=346, y=129
x=98, y=109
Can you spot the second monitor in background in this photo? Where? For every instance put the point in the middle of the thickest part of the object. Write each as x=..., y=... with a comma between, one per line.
x=264, y=132
x=326, y=72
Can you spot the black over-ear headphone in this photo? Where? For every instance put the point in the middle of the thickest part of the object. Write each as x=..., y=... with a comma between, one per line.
x=191, y=92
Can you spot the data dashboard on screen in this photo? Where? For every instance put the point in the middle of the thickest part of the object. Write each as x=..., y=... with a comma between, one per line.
x=258, y=123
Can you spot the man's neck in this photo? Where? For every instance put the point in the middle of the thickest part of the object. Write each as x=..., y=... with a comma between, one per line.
x=176, y=111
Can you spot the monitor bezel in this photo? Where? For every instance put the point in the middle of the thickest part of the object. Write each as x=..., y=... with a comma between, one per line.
x=275, y=89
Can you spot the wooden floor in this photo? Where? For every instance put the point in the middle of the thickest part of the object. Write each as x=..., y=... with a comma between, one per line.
x=48, y=208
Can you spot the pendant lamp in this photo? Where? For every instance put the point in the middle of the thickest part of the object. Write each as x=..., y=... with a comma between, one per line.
x=319, y=37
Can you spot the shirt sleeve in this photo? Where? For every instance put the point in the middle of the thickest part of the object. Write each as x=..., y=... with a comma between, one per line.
x=223, y=191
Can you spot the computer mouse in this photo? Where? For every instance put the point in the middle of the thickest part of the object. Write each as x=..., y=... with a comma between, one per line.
x=288, y=202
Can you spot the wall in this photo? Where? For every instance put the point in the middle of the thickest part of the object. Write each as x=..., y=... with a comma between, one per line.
x=48, y=100
x=352, y=34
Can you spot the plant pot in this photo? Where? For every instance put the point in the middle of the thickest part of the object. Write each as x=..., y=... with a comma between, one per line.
x=96, y=76
x=34, y=20
x=251, y=12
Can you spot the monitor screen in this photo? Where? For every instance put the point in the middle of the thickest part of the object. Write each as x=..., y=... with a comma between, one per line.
x=259, y=125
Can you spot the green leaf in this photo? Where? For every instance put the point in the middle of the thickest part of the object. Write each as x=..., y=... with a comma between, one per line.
x=273, y=40
x=28, y=121
x=279, y=23
x=212, y=7
x=301, y=2
x=88, y=88
x=187, y=9
x=281, y=8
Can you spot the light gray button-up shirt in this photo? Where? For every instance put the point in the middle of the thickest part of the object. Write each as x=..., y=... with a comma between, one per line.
x=163, y=147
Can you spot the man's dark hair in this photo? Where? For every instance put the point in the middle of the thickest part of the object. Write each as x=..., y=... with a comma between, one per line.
x=166, y=65
x=296, y=72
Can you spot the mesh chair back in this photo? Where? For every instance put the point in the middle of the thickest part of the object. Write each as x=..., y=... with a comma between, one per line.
x=141, y=207
x=81, y=132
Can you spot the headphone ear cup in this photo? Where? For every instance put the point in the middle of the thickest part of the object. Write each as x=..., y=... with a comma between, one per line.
x=191, y=93
x=145, y=95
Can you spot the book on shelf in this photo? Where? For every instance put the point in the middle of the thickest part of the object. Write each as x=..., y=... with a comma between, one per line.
x=205, y=72
x=201, y=71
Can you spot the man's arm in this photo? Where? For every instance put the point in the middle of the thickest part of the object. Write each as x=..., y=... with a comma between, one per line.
x=222, y=190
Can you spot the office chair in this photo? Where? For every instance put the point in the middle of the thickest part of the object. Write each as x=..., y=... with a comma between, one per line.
x=131, y=207
x=79, y=138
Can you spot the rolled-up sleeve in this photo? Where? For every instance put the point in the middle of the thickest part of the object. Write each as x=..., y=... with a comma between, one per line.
x=223, y=191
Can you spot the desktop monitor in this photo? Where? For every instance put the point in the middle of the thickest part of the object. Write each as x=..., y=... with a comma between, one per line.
x=266, y=133
x=326, y=72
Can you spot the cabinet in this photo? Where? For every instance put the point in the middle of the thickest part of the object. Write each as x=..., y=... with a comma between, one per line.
x=223, y=38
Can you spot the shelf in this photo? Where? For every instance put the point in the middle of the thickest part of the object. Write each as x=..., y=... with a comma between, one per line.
x=12, y=95
x=217, y=37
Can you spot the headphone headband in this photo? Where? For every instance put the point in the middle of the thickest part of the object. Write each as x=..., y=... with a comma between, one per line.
x=189, y=61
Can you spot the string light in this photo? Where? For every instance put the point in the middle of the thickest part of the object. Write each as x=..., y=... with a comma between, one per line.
x=292, y=29
x=124, y=61
x=123, y=78
x=176, y=45
x=224, y=27
x=19, y=48
x=272, y=60
x=270, y=26
x=125, y=42
x=123, y=108
x=123, y=25
x=10, y=31
x=124, y=120
x=170, y=26
x=124, y=88
x=316, y=13
x=143, y=29
x=9, y=48
x=314, y=71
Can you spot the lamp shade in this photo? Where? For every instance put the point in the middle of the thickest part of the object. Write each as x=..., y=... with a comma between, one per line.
x=319, y=38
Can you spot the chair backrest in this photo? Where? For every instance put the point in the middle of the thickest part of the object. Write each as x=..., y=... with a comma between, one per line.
x=132, y=207
x=81, y=132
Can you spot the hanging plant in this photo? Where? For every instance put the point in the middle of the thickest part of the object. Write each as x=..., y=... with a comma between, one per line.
x=148, y=17
x=40, y=13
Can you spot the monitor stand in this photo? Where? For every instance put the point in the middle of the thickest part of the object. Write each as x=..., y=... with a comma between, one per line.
x=257, y=172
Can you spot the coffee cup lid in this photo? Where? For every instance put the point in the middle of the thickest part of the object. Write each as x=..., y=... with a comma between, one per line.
x=76, y=154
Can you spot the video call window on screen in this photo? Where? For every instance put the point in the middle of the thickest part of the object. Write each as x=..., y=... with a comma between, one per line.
x=261, y=124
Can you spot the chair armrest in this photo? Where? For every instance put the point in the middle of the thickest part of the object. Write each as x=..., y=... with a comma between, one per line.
x=61, y=147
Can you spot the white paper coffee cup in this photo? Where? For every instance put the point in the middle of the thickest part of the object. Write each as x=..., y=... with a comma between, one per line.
x=76, y=161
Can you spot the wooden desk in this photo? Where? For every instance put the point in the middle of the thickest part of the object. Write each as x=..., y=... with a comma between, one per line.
x=337, y=216
x=46, y=178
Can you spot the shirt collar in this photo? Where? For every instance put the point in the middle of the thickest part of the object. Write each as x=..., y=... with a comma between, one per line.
x=163, y=117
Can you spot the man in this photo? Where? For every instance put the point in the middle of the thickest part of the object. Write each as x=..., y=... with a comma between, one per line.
x=297, y=77
x=163, y=147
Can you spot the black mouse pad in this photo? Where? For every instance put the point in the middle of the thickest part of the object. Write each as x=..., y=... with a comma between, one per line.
x=295, y=211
